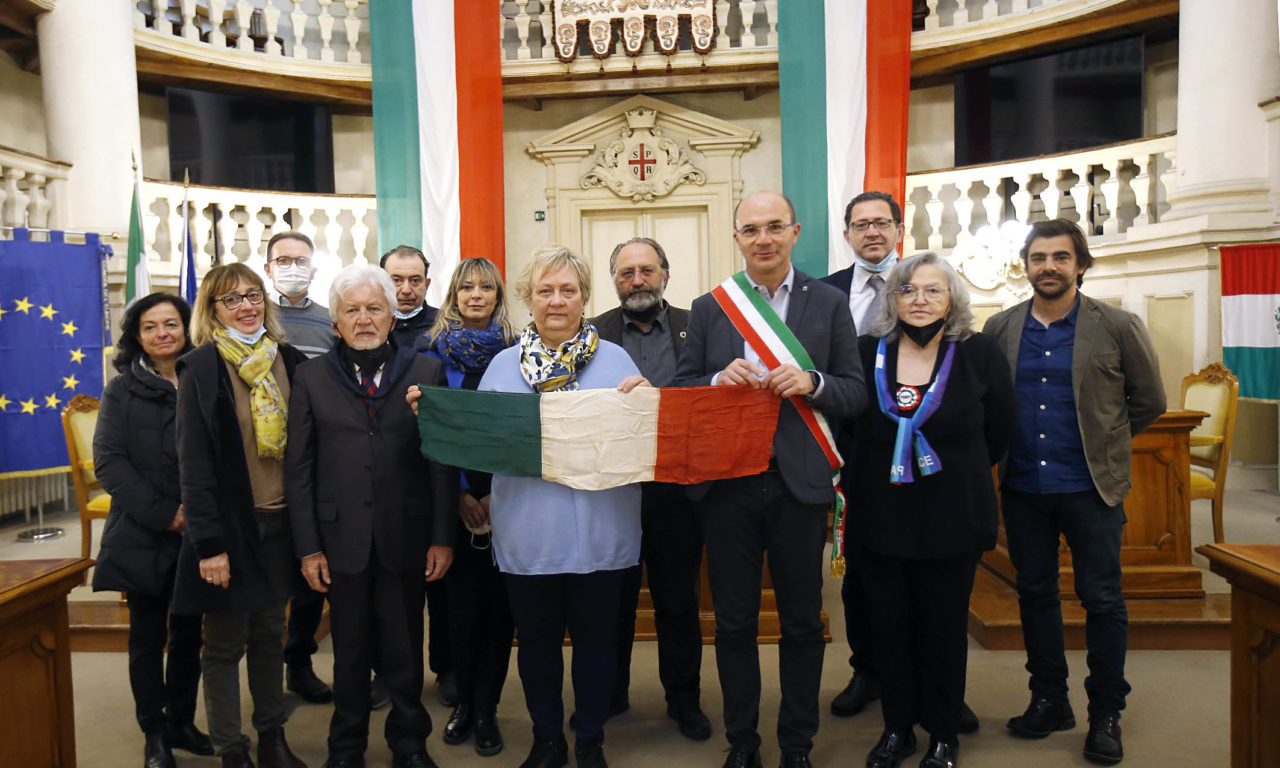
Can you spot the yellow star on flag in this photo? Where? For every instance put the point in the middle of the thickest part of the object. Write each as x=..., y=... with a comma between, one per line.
x=29, y=406
x=47, y=311
x=2, y=312
x=69, y=382
x=69, y=329
x=4, y=403
x=22, y=305
x=51, y=401
x=76, y=356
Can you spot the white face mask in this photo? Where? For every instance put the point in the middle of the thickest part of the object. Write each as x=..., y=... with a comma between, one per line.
x=246, y=338
x=292, y=281
x=406, y=315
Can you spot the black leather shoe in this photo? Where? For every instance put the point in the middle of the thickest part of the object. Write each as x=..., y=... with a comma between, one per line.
x=892, y=748
x=1102, y=745
x=743, y=757
x=274, y=752
x=547, y=754
x=338, y=763
x=379, y=696
x=156, y=752
x=303, y=681
x=589, y=753
x=968, y=720
x=690, y=720
x=1042, y=718
x=488, y=737
x=237, y=757
x=862, y=689
x=447, y=689
x=795, y=760
x=413, y=760
x=458, y=729
x=941, y=754
x=188, y=738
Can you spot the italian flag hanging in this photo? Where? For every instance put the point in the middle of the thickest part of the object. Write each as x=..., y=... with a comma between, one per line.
x=594, y=439
x=437, y=109
x=1251, y=318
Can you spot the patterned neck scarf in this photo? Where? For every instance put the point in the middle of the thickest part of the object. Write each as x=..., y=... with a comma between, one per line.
x=269, y=410
x=549, y=370
x=909, y=432
x=470, y=350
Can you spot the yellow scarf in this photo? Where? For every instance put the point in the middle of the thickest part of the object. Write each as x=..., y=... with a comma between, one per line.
x=269, y=410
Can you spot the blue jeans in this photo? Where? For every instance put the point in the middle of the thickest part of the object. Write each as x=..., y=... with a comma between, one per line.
x=1032, y=522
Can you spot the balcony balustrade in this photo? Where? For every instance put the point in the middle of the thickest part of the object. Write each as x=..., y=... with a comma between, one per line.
x=30, y=187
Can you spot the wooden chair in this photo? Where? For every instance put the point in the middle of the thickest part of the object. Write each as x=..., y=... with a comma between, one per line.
x=79, y=418
x=1214, y=389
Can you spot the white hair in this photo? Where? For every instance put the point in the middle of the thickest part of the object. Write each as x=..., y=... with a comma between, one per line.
x=355, y=275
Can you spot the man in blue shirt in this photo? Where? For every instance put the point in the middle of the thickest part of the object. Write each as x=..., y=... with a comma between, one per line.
x=1087, y=380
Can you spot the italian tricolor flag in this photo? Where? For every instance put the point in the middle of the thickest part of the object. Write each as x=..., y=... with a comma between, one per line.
x=1251, y=318
x=600, y=438
x=437, y=109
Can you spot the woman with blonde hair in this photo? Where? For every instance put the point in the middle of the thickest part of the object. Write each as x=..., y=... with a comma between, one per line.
x=237, y=558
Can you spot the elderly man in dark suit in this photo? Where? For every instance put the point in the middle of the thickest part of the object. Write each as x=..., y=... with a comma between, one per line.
x=653, y=332
x=782, y=511
x=373, y=521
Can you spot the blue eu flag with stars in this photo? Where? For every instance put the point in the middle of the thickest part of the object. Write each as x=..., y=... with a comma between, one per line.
x=52, y=333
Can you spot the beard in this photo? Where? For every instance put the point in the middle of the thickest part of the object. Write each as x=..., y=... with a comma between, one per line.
x=641, y=300
x=1043, y=292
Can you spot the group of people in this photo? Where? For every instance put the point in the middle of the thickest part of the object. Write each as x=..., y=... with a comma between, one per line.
x=242, y=473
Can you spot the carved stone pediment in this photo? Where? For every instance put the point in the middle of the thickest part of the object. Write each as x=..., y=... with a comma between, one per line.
x=642, y=163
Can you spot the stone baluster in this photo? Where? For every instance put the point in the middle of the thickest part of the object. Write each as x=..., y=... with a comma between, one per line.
x=1079, y=191
x=523, y=20
x=4, y=195
x=359, y=232
x=992, y=204
x=140, y=17
x=271, y=19
x=226, y=227
x=163, y=24
x=14, y=212
x=244, y=19
x=1110, y=189
x=333, y=229
x=1022, y=6
x=964, y=210
x=548, y=37
x=298, y=19
x=189, y=30
x=933, y=208
x=1052, y=194
x=152, y=223
x=39, y=206
x=1021, y=198
x=748, y=21
x=1141, y=185
x=304, y=224
x=771, y=12
x=217, y=22
x=351, y=23
x=932, y=22
x=255, y=230
x=325, y=21
x=722, y=22
x=1167, y=182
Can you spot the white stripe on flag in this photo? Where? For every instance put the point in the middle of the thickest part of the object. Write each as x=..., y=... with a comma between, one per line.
x=438, y=140
x=1250, y=320
x=846, y=70
x=599, y=438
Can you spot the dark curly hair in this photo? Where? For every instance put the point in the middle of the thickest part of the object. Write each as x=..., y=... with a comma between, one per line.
x=130, y=347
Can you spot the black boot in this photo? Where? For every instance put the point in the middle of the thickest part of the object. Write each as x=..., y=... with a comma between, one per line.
x=189, y=738
x=274, y=752
x=547, y=754
x=488, y=737
x=237, y=757
x=458, y=729
x=156, y=752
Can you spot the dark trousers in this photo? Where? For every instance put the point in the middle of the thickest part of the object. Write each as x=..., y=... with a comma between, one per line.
x=306, y=608
x=543, y=607
x=439, y=650
x=857, y=614
x=482, y=625
x=745, y=519
x=671, y=549
x=163, y=693
x=920, y=609
x=377, y=613
x=1093, y=529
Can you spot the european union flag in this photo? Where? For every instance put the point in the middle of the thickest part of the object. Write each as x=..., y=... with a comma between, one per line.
x=52, y=334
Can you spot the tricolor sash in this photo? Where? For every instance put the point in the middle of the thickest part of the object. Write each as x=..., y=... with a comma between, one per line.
x=777, y=345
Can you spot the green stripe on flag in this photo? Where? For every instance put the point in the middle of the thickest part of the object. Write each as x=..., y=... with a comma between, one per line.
x=803, y=94
x=397, y=159
x=135, y=264
x=1257, y=368
x=496, y=432
x=785, y=334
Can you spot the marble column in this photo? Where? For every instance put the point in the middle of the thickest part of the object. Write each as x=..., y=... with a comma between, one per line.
x=90, y=81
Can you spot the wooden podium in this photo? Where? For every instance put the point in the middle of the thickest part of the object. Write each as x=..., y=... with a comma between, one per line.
x=35, y=662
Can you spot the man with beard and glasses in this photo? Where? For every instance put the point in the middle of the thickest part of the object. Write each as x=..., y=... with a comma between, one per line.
x=1086, y=380
x=652, y=332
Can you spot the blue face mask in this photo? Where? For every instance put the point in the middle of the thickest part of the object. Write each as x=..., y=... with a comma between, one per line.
x=884, y=266
x=406, y=315
x=247, y=338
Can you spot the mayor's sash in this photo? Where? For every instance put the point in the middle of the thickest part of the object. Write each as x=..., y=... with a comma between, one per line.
x=776, y=345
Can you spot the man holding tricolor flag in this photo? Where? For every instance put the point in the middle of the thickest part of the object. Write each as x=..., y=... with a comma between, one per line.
x=773, y=327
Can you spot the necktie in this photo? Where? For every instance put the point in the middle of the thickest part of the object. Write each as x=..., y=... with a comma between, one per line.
x=876, y=283
x=366, y=383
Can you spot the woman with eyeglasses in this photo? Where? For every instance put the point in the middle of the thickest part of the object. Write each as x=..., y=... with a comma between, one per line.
x=469, y=330
x=237, y=557
x=925, y=507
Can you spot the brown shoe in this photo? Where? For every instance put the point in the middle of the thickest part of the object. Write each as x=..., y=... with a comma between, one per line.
x=274, y=752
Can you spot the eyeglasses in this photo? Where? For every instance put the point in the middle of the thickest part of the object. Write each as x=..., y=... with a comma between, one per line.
x=234, y=300
x=289, y=261
x=627, y=275
x=881, y=225
x=934, y=294
x=751, y=231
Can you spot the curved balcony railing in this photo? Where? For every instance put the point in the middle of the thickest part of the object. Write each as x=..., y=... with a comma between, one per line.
x=953, y=22
x=1107, y=190
x=30, y=189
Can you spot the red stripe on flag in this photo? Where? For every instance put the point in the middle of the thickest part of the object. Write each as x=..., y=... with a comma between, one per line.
x=479, y=77
x=888, y=94
x=713, y=433
x=1250, y=269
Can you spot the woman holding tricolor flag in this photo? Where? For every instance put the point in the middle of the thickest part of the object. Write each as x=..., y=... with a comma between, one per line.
x=925, y=507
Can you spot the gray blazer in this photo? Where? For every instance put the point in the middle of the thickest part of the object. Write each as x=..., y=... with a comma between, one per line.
x=1114, y=374
x=819, y=316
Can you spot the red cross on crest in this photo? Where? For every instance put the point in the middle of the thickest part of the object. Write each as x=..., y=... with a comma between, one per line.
x=641, y=159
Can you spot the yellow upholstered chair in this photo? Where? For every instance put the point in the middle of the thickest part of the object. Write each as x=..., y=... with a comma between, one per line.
x=1214, y=390
x=79, y=418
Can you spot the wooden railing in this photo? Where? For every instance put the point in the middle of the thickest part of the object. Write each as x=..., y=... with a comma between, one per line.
x=30, y=189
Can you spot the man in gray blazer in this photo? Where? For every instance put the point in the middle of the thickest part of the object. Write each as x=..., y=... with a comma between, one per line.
x=782, y=511
x=1087, y=380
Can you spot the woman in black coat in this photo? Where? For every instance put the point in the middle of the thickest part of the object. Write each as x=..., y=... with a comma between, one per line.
x=237, y=562
x=136, y=460
x=924, y=507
